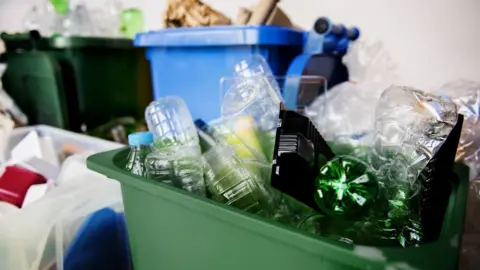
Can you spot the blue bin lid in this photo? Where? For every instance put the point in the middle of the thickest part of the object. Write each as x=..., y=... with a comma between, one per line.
x=220, y=36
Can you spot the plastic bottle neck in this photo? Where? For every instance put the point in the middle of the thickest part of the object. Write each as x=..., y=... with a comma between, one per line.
x=141, y=147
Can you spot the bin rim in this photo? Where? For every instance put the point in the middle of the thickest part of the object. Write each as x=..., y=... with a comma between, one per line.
x=224, y=35
x=69, y=42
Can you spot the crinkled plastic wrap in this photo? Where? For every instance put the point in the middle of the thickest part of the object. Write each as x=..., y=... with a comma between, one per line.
x=346, y=109
x=349, y=108
x=410, y=125
x=466, y=95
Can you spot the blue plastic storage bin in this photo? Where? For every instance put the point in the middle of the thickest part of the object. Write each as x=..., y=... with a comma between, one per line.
x=189, y=62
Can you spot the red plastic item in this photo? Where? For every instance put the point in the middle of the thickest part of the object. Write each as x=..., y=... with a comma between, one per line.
x=15, y=182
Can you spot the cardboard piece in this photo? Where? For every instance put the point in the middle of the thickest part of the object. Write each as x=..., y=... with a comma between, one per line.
x=279, y=18
x=243, y=16
x=191, y=13
x=262, y=12
x=265, y=12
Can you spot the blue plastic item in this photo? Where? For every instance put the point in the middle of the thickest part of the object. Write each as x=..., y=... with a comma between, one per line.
x=100, y=244
x=328, y=37
x=189, y=62
x=140, y=138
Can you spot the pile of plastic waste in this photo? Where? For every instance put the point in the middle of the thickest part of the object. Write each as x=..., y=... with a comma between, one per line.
x=365, y=183
x=106, y=18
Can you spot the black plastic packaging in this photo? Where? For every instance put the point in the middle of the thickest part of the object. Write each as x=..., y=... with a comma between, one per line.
x=436, y=184
x=299, y=150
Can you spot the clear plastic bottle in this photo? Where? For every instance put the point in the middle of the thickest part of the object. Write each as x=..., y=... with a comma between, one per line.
x=255, y=93
x=252, y=92
x=410, y=128
x=231, y=183
x=141, y=144
x=176, y=160
x=169, y=119
x=178, y=166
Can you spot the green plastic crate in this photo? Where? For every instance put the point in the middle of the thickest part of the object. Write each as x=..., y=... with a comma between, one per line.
x=91, y=80
x=171, y=229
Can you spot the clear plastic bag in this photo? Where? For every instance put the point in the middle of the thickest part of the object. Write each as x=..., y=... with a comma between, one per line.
x=466, y=95
x=28, y=239
x=349, y=108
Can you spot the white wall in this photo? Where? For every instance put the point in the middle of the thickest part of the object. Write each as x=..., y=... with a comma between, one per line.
x=431, y=40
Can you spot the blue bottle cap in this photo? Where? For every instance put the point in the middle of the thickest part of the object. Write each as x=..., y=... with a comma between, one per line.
x=140, y=138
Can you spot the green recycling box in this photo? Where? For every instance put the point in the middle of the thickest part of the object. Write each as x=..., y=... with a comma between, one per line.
x=172, y=229
x=70, y=82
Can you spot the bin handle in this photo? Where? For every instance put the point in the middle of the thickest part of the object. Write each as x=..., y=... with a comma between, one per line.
x=35, y=37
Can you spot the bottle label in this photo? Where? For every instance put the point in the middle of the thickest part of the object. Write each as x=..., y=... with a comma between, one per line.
x=234, y=192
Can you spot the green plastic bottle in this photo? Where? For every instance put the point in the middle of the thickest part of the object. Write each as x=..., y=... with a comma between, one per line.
x=345, y=187
x=60, y=6
x=132, y=22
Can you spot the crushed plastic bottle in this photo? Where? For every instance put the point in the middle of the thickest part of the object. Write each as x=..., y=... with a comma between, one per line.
x=411, y=124
x=177, y=155
x=254, y=92
x=410, y=128
x=141, y=144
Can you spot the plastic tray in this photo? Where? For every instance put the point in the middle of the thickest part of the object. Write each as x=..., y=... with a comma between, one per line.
x=171, y=229
x=59, y=138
